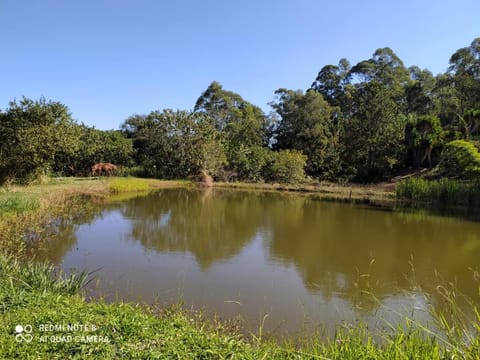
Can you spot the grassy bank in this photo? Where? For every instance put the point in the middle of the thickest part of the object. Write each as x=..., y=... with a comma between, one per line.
x=37, y=298
x=444, y=192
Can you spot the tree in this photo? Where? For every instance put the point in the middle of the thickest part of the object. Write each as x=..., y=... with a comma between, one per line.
x=423, y=134
x=331, y=82
x=94, y=146
x=465, y=71
x=384, y=67
x=286, y=166
x=32, y=135
x=175, y=144
x=374, y=136
x=419, y=91
x=471, y=119
x=240, y=121
x=310, y=125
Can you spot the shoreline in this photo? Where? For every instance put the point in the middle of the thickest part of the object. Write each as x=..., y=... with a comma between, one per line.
x=377, y=195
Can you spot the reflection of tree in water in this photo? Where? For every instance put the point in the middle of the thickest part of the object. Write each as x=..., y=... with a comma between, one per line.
x=212, y=226
x=333, y=245
x=57, y=235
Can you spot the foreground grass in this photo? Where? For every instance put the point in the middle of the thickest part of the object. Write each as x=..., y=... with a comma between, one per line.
x=34, y=295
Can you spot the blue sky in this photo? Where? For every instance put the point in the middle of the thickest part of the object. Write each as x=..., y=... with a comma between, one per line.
x=109, y=59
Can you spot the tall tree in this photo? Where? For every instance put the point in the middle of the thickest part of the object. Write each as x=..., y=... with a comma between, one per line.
x=419, y=91
x=240, y=121
x=331, y=82
x=374, y=136
x=309, y=124
x=423, y=135
x=384, y=67
x=465, y=70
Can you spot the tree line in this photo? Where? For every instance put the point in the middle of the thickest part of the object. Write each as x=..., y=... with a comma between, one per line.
x=363, y=123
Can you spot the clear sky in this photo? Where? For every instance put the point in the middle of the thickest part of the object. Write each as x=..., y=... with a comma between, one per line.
x=109, y=59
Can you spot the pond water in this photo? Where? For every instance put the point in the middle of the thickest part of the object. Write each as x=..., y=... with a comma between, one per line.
x=288, y=262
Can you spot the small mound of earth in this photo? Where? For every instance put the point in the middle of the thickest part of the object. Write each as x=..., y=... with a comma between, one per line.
x=204, y=179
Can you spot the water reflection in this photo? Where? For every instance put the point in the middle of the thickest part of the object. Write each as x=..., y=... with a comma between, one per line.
x=212, y=228
x=58, y=235
x=251, y=253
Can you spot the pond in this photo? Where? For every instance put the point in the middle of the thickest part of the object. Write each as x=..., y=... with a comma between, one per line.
x=286, y=262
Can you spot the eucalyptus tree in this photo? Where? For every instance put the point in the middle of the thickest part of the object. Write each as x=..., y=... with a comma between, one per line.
x=374, y=136
x=332, y=82
x=419, y=91
x=386, y=68
x=465, y=70
x=242, y=122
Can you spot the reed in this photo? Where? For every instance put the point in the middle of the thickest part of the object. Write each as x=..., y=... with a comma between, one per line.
x=444, y=192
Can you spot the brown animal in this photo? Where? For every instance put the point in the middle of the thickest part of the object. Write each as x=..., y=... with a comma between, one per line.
x=105, y=169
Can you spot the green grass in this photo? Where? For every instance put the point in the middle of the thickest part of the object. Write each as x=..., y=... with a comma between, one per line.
x=34, y=294
x=131, y=184
x=442, y=192
x=119, y=185
x=11, y=204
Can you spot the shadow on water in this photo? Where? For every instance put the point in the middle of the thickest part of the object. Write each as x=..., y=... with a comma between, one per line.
x=256, y=253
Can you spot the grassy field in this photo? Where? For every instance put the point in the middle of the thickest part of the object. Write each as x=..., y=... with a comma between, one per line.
x=37, y=297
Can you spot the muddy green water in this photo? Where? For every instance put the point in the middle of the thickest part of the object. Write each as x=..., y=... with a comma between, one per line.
x=289, y=261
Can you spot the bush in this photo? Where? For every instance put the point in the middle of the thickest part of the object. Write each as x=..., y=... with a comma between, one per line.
x=249, y=163
x=135, y=171
x=460, y=159
x=286, y=166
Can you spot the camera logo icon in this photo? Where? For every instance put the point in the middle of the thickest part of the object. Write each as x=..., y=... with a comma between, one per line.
x=24, y=333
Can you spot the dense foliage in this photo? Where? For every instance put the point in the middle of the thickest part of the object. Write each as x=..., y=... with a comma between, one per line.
x=461, y=159
x=40, y=138
x=364, y=122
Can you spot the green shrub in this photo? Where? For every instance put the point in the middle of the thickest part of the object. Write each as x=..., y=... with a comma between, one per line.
x=460, y=159
x=249, y=162
x=135, y=171
x=286, y=166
